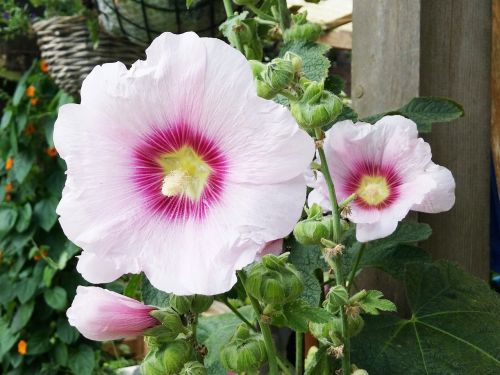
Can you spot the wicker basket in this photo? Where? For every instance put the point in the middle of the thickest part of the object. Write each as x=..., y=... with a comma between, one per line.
x=66, y=47
x=143, y=20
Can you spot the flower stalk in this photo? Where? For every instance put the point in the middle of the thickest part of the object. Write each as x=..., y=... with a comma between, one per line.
x=335, y=262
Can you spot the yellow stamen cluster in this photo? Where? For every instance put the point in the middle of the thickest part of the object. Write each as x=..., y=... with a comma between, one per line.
x=373, y=190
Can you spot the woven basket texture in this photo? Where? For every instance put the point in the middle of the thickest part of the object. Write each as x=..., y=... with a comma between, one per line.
x=66, y=46
x=143, y=20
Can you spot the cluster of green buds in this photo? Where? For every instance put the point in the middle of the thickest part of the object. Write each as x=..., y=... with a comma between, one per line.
x=273, y=281
x=172, y=342
x=311, y=230
x=301, y=29
x=241, y=32
x=281, y=74
x=317, y=107
x=245, y=352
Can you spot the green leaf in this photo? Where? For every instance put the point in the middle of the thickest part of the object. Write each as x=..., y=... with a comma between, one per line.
x=48, y=275
x=425, y=111
x=453, y=328
x=189, y=3
x=20, y=89
x=7, y=338
x=298, y=314
x=22, y=316
x=82, y=360
x=22, y=165
x=60, y=354
x=25, y=289
x=317, y=362
x=65, y=332
x=24, y=217
x=314, y=63
x=308, y=260
x=39, y=343
x=8, y=217
x=153, y=296
x=6, y=117
x=56, y=298
x=335, y=84
x=374, y=302
x=45, y=213
x=132, y=289
x=215, y=331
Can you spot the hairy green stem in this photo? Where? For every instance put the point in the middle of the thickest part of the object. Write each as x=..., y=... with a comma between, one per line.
x=299, y=352
x=284, y=15
x=238, y=314
x=228, y=6
x=272, y=355
x=336, y=262
x=259, y=13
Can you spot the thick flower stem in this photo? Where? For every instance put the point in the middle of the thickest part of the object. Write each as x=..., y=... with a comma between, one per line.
x=299, y=352
x=272, y=355
x=335, y=262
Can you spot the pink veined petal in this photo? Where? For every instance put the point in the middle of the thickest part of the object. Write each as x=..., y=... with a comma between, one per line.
x=102, y=315
x=442, y=196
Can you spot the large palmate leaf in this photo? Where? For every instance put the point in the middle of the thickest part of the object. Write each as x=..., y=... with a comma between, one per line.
x=425, y=111
x=215, y=331
x=308, y=260
x=453, y=328
x=314, y=62
x=153, y=296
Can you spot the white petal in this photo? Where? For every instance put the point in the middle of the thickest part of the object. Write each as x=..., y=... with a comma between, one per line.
x=442, y=196
x=373, y=231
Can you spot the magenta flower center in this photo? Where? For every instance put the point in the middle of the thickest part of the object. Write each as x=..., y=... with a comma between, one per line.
x=178, y=172
x=376, y=186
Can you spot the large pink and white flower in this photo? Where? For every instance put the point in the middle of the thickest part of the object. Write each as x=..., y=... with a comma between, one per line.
x=390, y=170
x=102, y=315
x=177, y=168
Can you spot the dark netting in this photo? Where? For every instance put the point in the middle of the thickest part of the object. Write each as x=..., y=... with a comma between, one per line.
x=143, y=20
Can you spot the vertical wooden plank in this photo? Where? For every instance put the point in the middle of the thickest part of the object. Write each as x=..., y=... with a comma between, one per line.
x=386, y=52
x=455, y=62
x=495, y=88
x=385, y=75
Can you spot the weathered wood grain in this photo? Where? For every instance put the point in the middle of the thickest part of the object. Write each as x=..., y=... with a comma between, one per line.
x=495, y=88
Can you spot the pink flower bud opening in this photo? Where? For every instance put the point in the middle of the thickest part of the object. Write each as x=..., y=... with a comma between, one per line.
x=101, y=315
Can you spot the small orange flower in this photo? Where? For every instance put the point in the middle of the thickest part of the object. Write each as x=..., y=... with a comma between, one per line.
x=9, y=163
x=44, y=67
x=9, y=187
x=34, y=101
x=30, y=91
x=22, y=347
x=36, y=258
x=52, y=152
x=30, y=129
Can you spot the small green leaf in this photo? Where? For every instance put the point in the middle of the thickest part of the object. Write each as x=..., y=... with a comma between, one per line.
x=24, y=218
x=298, y=314
x=48, y=275
x=60, y=354
x=7, y=338
x=425, y=111
x=8, y=217
x=38, y=343
x=22, y=165
x=82, y=360
x=45, y=213
x=25, y=289
x=22, y=316
x=374, y=302
x=132, y=289
x=6, y=117
x=314, y=62
x=153, y=296
x=65, y=332
x=56, y=298
x=63, y=259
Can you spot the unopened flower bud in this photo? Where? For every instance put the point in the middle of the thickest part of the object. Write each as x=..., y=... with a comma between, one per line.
x=257, y=68
x=278, y=74
x=244, y=352
x=311, y=231
x=355, y=325
x=273, y=281
x=240, y=30
x=295, y=59
x=181, y=304
x=193, y=368
x=336, y=298
x=201, y=303
x=171, y=325
x=302, y=29
x=175, y=356
x=317, y=107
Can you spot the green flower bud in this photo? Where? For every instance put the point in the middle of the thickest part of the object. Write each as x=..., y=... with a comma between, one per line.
x=181, y=304
x=336, y=298
x=201, y=303
x=193, y=368
x=264, y=90
x=311, y=231
x=240, y=30
x=244, y=352
x=295, y=59
x=278, y=74
x=317, y=107
x=326, y=331
x=301, y=29
x=152, y=365
x=355, y=325
x=257, y=68
x=273, y=281
x=171, y=325
x=175, y=356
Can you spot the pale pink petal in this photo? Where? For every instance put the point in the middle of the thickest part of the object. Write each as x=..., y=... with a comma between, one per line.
x=102, y=315
x=273, y=247
x=442, y=196
x=373, y=231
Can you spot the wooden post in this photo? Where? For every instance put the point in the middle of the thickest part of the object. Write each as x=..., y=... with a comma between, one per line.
x=495, y=88
x=403, y=49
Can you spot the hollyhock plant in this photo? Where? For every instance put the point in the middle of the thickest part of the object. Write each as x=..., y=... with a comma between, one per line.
x=101, y=315
x=177, y=168
x=389, y=168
